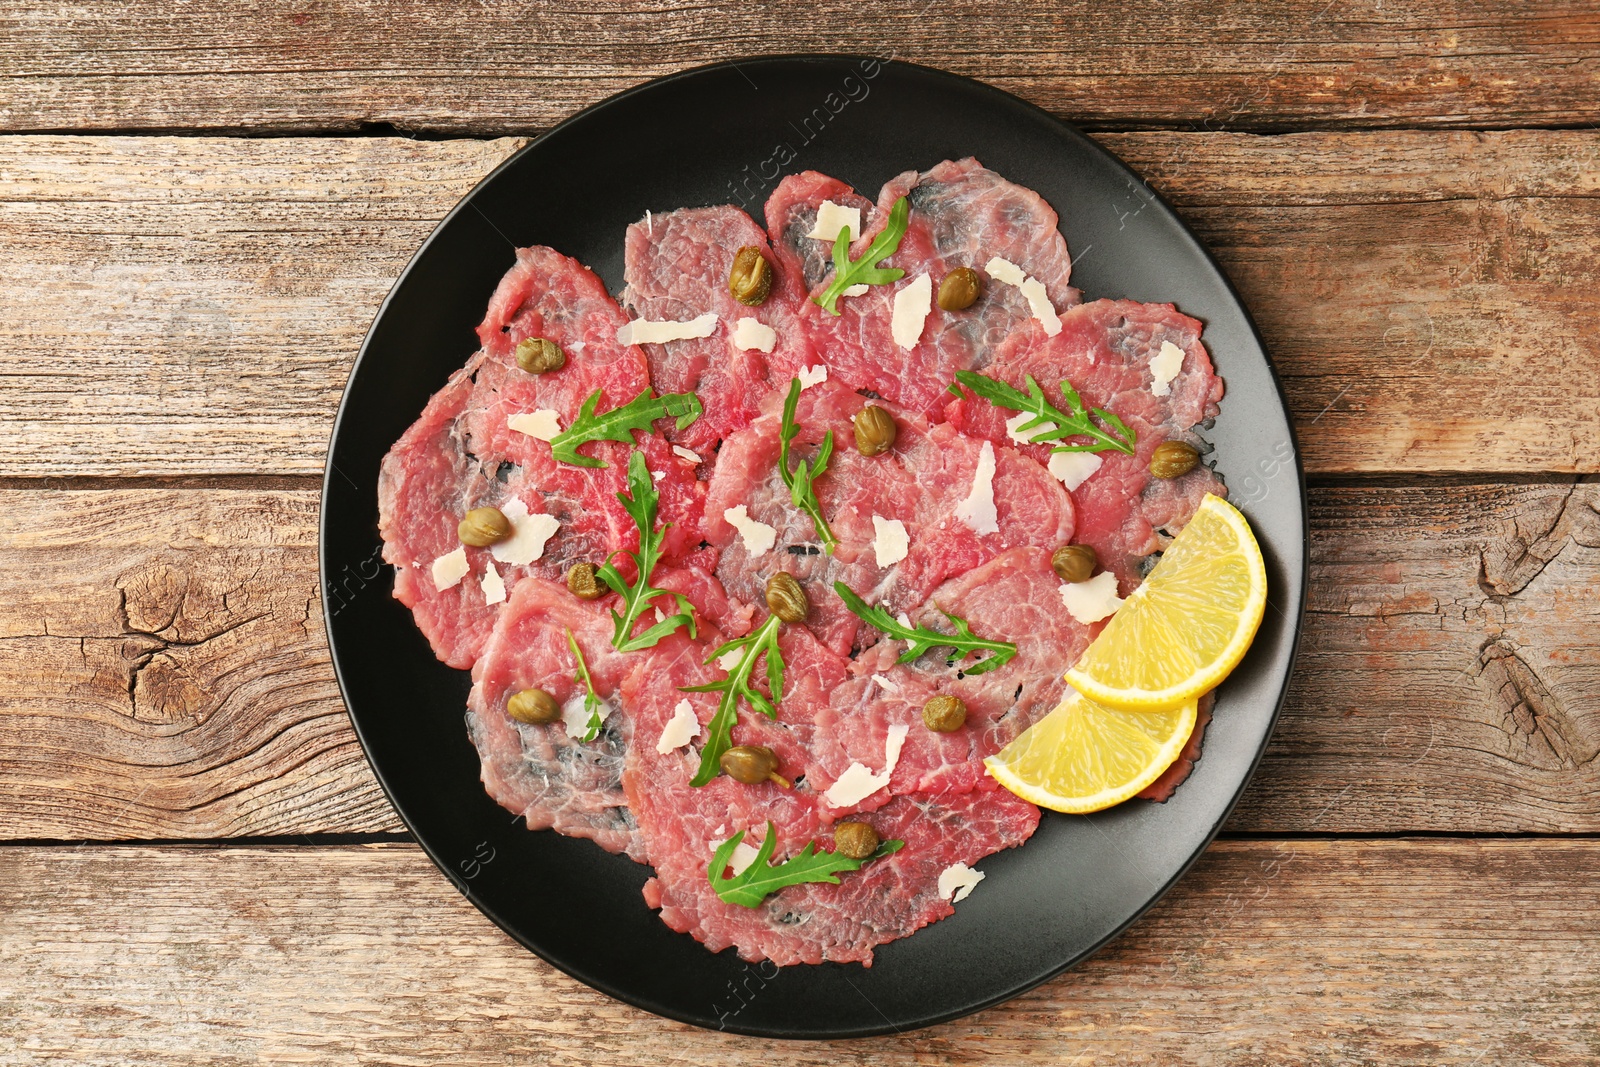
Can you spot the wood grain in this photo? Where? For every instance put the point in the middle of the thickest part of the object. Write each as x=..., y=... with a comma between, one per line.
x=167, y=674
x=1414, y=952
x=518, y=67
x=1428, y=297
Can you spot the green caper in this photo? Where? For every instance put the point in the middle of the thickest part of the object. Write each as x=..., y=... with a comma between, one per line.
x=752, y=764
x=481, y=527
x=750, y=278
x=1173, y=459
x=581, y=582
x=943, y=714
x=855, y=839
x=1073, y=563
x=786, y=599
x=875, y=431
x=533, y=706
x=539, y=356
x=960, y=289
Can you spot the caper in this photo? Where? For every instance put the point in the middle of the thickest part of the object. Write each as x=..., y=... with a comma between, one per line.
x=1173, y=459
x=960, y=289
x=533, y=706
x=750, y=278
x=1073, y=563
x=855, y=839
x=539, y=356
x=943, y=714
x=483, y=526
x=786, y=599
x=581, y=582
x=875, y=430
x=752, y=764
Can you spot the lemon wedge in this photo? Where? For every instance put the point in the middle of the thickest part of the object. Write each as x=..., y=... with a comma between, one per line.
x=1083, y=756
x=1181, y=632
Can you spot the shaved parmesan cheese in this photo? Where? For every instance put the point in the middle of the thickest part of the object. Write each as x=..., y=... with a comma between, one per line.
x=831, y=218
x=978, y=510
x=911, y=306
x=891, y=542
x=1017, y=420
x=1074, y=468
x=856, y=290
x=543, y=424
x=1164, y=366
x=575, y=717
x=858, y=783
x=744, y=854
x=758, y=536
x=684, y=453
x=730, y=659
x=528, y=534
x=680, y=729
x=450, y=568
x=958, y=879
x=648, y=332
x=889, y=684
x=1003, y=270
x=1093, y=600
x=810, y=376
x=751, y=333
x=494, y=587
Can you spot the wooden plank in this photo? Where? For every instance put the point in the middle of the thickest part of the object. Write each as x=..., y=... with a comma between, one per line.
x=1428, y=297
x=500, y=68
x=1344, y=951
x=165, y=673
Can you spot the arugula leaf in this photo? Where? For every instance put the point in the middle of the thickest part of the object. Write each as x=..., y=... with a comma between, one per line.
x=719, y=731
x=922, y=640
x=641, y=501
x=618, y=424
x=1119, y=436
x=751, y=886
x=865, y=271
x=801, y=490
x=591, y=699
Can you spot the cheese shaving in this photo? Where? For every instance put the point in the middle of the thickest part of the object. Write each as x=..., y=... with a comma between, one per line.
x=831, y=218
x=493, y=586
x=856, y=290
x=758, y=537
x=754, y=334
x=978, y=510
x=890, y=541
x=857, y=783
x=912, y=303
x=1074, y=468
x=958, y=879
x=650, y=332
x=1093, y=600
x=744, y=854
x=810, y=376
x=1003, y=270
x=543, y=424
x=1164, y=366
x=528, y=534
x=730, y=659
x=684, y=453
x=575, y=717
x=449, y=569
x=680, y=729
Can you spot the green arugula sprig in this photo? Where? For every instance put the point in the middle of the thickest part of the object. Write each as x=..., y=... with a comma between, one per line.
x=591, y=699
x=642, y=501
x=1052, y=423
x=865, y=271
x=922, y=640
x=800, y=481
x=752, y=885
x=619, y=424
x=719, y=731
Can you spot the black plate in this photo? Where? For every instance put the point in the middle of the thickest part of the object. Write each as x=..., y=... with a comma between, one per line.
x=719, y=134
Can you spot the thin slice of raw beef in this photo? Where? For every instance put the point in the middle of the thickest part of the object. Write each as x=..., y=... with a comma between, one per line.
x=677, y=267
x=791, y=214
x=1104, y=349
x=809, y=923
x=921, y=483
x=546, y=773
x=1162, y=788
x=961, y=215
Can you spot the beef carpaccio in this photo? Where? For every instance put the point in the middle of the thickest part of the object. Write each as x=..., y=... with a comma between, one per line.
x=655, y=442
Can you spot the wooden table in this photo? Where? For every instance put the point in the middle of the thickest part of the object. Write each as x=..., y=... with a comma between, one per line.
x=201, y=206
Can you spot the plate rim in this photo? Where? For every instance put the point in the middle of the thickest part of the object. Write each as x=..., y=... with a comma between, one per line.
x=1295, y=620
